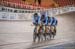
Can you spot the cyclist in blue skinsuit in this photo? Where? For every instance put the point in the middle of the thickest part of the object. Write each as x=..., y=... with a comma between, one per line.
x=49, y=21
x=44, y=20
x=52, y=22
x=44, y=17
x=36, y=19
x=36, y=22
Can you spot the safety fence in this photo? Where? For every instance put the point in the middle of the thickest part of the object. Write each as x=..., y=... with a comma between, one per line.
x=7, y=13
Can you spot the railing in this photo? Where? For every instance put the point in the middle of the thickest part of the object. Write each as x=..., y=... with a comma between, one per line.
x=59, y=9
x=22, y=14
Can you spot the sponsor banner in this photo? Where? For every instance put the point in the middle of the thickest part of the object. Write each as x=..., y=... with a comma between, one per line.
x=15, y=16
x=29, y=13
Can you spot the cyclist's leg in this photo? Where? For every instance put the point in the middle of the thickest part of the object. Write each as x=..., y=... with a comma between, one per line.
x=55, y=29
x=38, y=32
x=34, y=34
